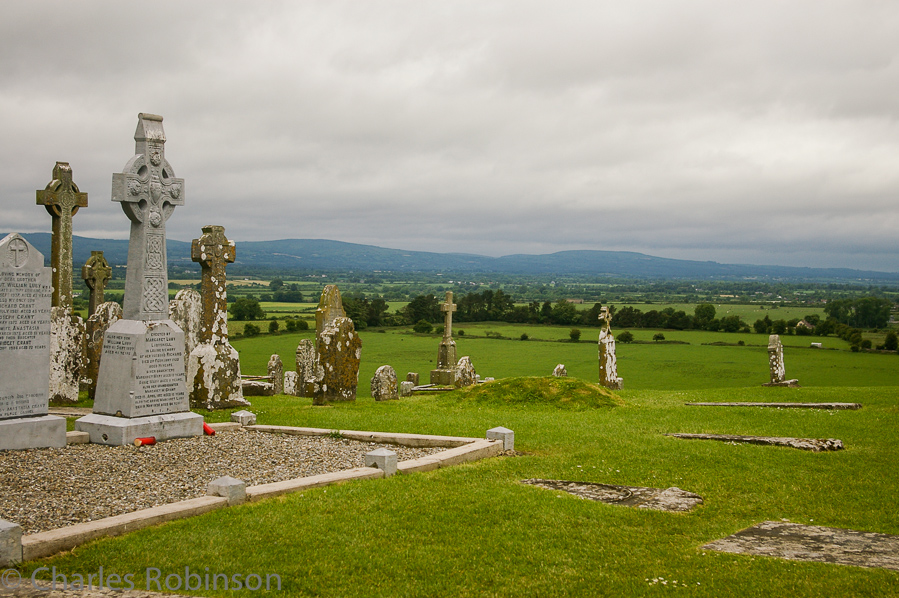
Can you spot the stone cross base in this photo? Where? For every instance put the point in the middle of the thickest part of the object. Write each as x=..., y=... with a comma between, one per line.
x=616, y=384
x=119, y=431
x=443, y=377
x=786, y=383
x=32, y=432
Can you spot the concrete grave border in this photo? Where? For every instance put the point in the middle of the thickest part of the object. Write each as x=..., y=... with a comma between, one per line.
x=460, y=449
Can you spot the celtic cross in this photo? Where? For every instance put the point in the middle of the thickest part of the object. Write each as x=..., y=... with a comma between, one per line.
x=62, y=200
x=96, y=273
x=148, y=191
x=448, y=307
x=213, y=251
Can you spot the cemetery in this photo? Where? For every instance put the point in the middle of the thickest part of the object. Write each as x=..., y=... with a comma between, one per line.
x=509, y=463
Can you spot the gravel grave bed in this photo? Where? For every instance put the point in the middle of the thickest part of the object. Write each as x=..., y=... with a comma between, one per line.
x=45, y=489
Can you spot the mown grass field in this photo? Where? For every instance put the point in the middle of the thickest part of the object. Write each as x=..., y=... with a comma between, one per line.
x=474, y=530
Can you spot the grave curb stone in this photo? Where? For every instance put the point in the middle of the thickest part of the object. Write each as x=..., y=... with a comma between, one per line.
x=10, y=543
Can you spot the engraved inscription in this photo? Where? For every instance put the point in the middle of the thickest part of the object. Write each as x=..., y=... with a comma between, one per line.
x=160, y=377
x=24, y=325
x=118, y=344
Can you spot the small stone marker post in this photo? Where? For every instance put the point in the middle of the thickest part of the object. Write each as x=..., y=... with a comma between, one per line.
x=213, y=366
x=25, y=290
x=96, y=273
x=443, y=374
x=306, y=363
x=141, y=387
x=776, y=363
x=608, y=366
x=62, y=199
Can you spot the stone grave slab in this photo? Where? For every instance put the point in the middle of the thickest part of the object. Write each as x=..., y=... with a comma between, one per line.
x=657, y=499
x=797, y=542
x=25, y=297
x=839, y=406
x=816, y=445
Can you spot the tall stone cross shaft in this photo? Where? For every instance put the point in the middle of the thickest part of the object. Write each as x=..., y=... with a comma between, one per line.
x=96, y=273
x=62, y=199
x=448, y=307
x=148, y=191
x=213, y=251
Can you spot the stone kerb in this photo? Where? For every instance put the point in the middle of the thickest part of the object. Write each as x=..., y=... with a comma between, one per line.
x=227, y=491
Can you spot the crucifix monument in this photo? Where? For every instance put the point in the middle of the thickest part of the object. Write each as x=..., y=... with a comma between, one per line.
x=443, y=374
x=62, y=199
x=213, y=366
x=141, y=387
x=96, y=273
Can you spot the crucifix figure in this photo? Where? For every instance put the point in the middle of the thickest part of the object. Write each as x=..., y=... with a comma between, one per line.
x=62, y=200
x=448, y=307
x=148, y=191
x=213, y=251
x=96, y=273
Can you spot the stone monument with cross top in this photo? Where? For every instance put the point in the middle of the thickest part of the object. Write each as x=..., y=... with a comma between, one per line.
x=96, y=273
x=62, y=199
x=444, y=374
x=141, y=388
x=213, y=366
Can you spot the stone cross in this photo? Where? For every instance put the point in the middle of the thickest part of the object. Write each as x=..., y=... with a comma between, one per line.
x=606, y=318
x=448, y=308
x=148, y=191
x=213, y=251
x=96, y=273
x=62, y=200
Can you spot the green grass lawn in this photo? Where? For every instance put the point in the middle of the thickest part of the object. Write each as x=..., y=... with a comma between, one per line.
x=474, y=530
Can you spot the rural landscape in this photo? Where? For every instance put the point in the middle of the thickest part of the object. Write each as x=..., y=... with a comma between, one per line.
x=449, y=299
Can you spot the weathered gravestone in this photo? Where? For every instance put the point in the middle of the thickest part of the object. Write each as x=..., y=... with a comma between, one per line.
x=62, y=199
x=464, y=374
x=560, y=372
x=186, y=311
x=384, y=384
x=67, y=333
x=213, y=366
x=290, y=383
x=96, y=273
x=335, y=374
x=776, y=364
x=444, y=373
x=608, y=366
x=141, y=387
x=276, y=373
x=305, y=365
x=25, y=289
x=412, y=377
x=97, y=325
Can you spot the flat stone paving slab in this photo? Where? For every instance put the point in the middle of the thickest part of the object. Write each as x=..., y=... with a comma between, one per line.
x=797, y=542
x=851, y=406
x=657, y=499
x=807, y=444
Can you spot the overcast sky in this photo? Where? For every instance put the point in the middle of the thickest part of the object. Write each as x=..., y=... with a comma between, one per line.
x=747, y=132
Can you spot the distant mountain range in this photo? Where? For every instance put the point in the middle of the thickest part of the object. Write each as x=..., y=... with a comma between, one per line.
x=310, y=255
